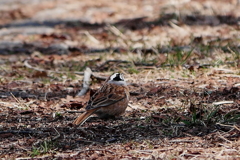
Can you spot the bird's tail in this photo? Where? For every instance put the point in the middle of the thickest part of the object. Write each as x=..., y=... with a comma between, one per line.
x=83, y=117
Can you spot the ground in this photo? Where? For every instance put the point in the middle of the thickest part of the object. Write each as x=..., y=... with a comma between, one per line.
x=180, y=58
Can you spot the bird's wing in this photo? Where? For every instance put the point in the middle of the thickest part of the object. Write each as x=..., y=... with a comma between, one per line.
x=105, y=97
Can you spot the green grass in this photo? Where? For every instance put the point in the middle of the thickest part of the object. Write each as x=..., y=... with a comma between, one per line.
x=35, y=152
x=178, y=58
x=210, y=115
x=196, y=115
x=133, y=70
x=44, y=147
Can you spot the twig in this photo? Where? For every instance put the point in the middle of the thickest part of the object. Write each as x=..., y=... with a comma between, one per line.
x=21, y=132
x=57, y=136
x=100, y=150
x=45, y=96
x=115, y=61
x=21, y=104
x=223, y=102
x=26, y=64
x=182, y=141
x=116, y=32
x=99, y=77
x=74, y=111
x=131, y=106
x=236, y=128
x=88, y=141
x=236, y=85
x=220, y=136
x=93, y=39
x=144, y=151
x=224, y=125
x=86, y=81
x=146, y=76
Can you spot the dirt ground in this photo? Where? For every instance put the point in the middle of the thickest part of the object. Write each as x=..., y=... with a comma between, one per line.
x=180, y=58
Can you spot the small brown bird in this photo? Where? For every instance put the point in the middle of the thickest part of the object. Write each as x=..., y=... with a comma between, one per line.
x=109, y=101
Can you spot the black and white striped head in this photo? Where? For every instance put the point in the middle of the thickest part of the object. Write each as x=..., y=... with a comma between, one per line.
x=117, y=78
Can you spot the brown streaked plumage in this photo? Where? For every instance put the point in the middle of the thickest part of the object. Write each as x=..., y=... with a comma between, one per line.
x=109, y=101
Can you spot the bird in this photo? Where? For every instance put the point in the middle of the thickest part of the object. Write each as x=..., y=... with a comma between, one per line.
x=110, y=101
